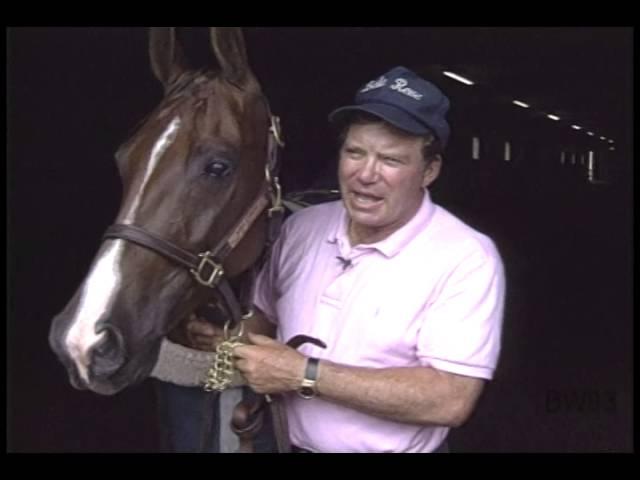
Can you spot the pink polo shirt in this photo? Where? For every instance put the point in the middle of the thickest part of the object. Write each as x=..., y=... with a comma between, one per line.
x=431, y=294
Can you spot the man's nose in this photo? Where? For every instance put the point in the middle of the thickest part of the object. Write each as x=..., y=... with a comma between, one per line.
x=368, y=172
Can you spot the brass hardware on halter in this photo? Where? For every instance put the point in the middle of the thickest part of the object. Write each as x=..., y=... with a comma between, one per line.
x=276, y=130
x=275, y=192
x=216, y=272
x=276, y=198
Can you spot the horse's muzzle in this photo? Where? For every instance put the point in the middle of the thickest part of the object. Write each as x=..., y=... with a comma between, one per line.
x=108, y=355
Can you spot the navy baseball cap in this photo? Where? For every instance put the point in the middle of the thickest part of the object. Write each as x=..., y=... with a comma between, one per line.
x=405, y=100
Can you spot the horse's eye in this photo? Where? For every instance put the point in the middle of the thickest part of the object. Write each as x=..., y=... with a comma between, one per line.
x=217, y=169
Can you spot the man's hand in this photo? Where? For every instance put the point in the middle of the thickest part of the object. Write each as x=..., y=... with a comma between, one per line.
x=203, y=335
x=270, y=366
x=196, y=332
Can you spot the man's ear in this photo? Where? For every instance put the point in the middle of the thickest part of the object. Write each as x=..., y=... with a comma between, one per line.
x=432, y=171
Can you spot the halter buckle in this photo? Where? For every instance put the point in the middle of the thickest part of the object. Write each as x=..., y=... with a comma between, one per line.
x=276, y=131
x=216, y=270
x=275, y=192
x=276, y=197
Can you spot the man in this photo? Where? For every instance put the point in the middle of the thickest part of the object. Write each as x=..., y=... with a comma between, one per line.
x=407, y=298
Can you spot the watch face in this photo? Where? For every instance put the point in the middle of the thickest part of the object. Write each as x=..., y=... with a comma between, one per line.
x=307, y=392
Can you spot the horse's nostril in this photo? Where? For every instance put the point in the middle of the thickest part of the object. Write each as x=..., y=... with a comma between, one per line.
x=108, y=355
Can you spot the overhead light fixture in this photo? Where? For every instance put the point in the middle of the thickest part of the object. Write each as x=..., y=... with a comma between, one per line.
x=612, y=148
x=603, y=138
x=459, y=78
x=576, y=127
x=521, y=104
x=590, y=133
x=611, y=141
x=553, y=117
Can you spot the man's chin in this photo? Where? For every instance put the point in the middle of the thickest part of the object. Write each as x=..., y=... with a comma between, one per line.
x=365, y=219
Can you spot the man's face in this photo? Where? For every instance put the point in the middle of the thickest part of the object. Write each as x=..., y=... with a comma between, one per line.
x=381, y=174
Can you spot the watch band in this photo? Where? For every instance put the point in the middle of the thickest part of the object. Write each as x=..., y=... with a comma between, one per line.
x=307, y=389
x=311, y=372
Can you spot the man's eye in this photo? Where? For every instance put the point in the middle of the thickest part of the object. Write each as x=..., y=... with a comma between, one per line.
x=391, y=160
x=217, y=169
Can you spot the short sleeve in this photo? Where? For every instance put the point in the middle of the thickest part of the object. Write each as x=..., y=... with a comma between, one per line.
x=461, y=329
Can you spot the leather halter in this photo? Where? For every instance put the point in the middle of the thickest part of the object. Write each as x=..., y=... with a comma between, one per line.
x=206, y=267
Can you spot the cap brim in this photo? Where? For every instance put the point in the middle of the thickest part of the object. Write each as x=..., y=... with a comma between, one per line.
x=393, y=115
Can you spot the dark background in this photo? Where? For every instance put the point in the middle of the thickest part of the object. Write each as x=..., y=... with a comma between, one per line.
x=565, y=380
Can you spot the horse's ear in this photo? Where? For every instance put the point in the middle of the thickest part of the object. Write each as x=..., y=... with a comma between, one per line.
x=167, y=61
x=229, y=49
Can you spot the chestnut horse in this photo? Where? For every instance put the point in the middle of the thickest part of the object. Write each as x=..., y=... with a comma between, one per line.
x=200, y=185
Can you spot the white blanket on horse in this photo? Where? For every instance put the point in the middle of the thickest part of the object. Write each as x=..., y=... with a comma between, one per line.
x=181, y=365
x=188, y=367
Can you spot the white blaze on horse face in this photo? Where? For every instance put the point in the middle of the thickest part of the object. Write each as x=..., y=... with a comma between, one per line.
x=96, y=298
x=165, y=140
x=103, y=282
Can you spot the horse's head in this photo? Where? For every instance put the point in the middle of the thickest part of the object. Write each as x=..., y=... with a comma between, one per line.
x=194, y=168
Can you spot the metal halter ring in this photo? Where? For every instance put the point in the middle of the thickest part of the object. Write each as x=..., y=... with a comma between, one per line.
x=216, y=272
x=226, y=330
x=276, y=197
x=276, y=130
x=275, y=191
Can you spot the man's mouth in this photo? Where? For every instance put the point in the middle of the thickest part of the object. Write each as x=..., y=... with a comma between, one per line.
x=365, y=200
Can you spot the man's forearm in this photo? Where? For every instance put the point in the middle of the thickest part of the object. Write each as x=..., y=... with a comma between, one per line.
x=417, y=395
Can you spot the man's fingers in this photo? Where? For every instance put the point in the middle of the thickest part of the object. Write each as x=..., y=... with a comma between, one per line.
x=206, y=339
x=200, y=327
x=203, y=336
x=240, y=351
x=241, y=365
x=258, y=339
